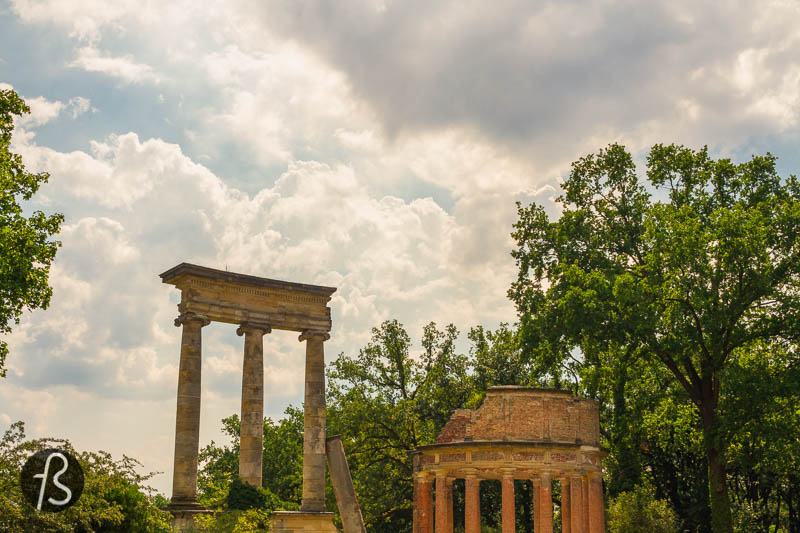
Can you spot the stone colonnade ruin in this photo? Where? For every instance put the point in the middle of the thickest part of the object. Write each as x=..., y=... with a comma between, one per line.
x=257, y=306
x=518, y=433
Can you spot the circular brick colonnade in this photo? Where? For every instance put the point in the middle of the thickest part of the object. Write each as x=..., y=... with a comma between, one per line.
x=519, y=433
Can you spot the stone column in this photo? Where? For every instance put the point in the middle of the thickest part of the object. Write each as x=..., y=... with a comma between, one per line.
x=251, y=438
x=187, y=417
x=442, y=487
x=449, y=489
x=346, y=500
x=566, y=515
x=509, y=517
x=576, y=504
x=537, y=498
x=429, y=506
x=314, y=423
x=472, y=504
x=597, y=515
x=545, y=508
x=423, y=505
x=585, y=485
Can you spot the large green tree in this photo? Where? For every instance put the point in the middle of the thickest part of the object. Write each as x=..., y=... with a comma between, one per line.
x=26, y=250
x=701, y=263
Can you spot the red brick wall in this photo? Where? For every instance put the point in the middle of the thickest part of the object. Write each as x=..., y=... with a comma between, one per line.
x=518, y=414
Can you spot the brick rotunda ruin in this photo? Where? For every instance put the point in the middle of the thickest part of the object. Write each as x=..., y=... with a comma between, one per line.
x=519, y=433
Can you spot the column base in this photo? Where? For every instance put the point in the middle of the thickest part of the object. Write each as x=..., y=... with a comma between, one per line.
x=302, y=522
x=183, y=515
x=178, y=504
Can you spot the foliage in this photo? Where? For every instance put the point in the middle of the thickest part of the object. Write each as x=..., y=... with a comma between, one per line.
x=242, y=497
x=385, y=403
x=115, y=496
x=249, y=521
x=763, y=418
x=282, y=471
x=622, y=281
x=639, y=510
x=25, y=249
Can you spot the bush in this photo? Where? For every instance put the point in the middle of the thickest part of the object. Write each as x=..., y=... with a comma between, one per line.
x=639, y=510
x=242, y=496
x=115, y=496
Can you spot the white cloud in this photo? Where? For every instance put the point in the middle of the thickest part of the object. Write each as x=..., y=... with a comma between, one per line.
x=126, y=68
x=79, y=105
x=83, y=18
x=42, y=112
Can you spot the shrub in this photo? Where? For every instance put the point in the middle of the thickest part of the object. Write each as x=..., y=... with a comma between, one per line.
x=639, y=510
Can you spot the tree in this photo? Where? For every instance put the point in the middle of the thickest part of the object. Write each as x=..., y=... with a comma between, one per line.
x=685, y=281
x=25, y=249
x=385, y=403
x=115, y=496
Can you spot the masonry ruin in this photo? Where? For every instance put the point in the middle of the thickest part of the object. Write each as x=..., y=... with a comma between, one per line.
x=257, y=306
x=518, y=433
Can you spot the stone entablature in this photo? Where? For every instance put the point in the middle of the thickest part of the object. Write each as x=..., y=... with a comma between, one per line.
x=234, y=298
x=485, y=459
x=518, y=433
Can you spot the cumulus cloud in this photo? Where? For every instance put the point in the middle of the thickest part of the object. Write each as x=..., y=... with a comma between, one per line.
x=136, y=207
x=126, y=68
x=519, y=71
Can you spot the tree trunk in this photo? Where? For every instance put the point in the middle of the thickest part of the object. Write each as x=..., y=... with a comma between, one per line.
x=721, y=520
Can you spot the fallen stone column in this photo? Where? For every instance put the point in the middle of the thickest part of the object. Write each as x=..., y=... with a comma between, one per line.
x=349, y=510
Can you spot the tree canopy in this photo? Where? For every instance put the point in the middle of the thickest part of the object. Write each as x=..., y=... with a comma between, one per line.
x=26, y=251
x=690, y=270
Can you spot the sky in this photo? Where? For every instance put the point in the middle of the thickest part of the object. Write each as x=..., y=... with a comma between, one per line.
x=375, y=146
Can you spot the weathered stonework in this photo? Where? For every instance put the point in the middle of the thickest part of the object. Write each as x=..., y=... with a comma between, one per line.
x=518, y=433
x=257, y=305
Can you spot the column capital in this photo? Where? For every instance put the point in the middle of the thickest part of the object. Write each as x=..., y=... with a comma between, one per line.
x=309, y=333
x=470, y=473
x=593, y=474
x=253, y=328
x=440, y=472
x=422, y=477
x=508, y=471
x=189, y=316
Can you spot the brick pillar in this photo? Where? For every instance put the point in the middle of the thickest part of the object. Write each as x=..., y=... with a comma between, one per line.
x=566, y=520
x=441, y=502
x=597, y=515
x=509, y=511
x=585, y=485
x=537, y=499
x=576, y=504
x=423, y=504
x=187, y=416
x=251, y=439
x=429, y=506
x=472, y=504
x=449, y=492
x=314, y=423
x=545, y=507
